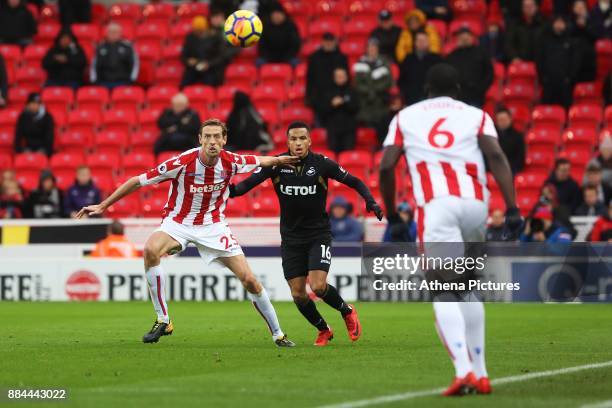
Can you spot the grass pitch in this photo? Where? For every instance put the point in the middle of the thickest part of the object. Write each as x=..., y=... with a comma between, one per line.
x=221, y=355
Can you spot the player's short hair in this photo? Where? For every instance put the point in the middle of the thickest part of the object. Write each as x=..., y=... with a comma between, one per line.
x=214, y=122
x=82, y=167
x=442, y=80
x=502, y=109
x=298, y=125
x=561, y=161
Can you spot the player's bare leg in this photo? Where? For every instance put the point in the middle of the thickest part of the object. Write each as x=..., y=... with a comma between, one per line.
x=240, y=267
x=330, y=295
x=309, y=310
x=158, y=244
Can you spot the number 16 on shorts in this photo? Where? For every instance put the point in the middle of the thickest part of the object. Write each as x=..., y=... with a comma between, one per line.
x=325, y=254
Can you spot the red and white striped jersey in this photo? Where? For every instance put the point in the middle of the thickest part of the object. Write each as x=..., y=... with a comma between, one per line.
x=439, y=137
x=198, y=193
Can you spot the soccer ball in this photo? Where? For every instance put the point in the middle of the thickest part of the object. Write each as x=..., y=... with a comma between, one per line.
x=243, y=28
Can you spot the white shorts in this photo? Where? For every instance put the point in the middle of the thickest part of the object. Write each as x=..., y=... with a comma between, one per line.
x=213, y=241
x=452, y=219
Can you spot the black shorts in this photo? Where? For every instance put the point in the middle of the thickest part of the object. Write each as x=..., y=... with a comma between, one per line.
x=301, y=257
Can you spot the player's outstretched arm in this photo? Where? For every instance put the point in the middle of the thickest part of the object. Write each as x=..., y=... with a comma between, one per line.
x=271, y=161
x=248, y=184
x=363, y=190
x=391, y=155
x=499, y=166
x=126, y=188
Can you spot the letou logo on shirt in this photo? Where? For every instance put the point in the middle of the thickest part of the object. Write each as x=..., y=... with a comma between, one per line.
x=205, y=188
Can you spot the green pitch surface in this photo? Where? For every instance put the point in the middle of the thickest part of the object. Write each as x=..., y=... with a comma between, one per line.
x=221, y=355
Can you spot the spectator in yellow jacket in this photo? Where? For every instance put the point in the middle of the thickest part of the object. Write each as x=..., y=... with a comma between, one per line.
x=416, y=21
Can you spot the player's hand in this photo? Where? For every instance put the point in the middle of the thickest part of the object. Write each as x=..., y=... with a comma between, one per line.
x=375, y=208
x=96, y=209
x=287, y=160
x=513, y=224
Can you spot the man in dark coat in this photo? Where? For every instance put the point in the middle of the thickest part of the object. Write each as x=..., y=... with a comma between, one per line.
x=339, y=107
x=17, y=25
x=558, y=61
x=568, y=191
x=115, y=62
x=387, y=33
x=179, y=126
x=511, y=140
x=414, y=67
x=35, y=127
x=282, y=42
x=474, y=66
x=521, y=34
x=320, y=73
x=65, y=61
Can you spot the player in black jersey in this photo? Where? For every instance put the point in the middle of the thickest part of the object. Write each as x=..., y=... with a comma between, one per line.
x=305, y=229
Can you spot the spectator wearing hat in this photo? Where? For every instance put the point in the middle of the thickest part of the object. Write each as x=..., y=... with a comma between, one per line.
x=604, y=161
x=511, y=140
x=344, y=227
x=115, y=62
x=404, y=231
x=17, y=25
x=65, y=61
x=474, y=66
x=568, y=191
x=591, y=204
x=372, y=83
x=602, y=227
x=205, y=52
x=435, y=9
x=320, y=73
x=493, y=39
x=116, y=244
x=339, y=108
x=414, y=67
x=82, y=193
x=416, y=21
x=387, y=33
x=179, y=126
x=559, y=61
x=542, y=228
x=35, y=127
x=593, y=177
x=281, y=43
x=495, y=229
x=46, y=201
x=522, y=33
x=3, y=83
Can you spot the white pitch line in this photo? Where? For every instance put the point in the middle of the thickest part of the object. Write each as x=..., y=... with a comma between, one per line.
x=601, y=404
x=385, y=399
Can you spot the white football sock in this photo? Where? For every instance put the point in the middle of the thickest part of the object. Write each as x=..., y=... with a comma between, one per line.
x=262, y=303
x=473, y=315
x=157, y=289
x=451, y=329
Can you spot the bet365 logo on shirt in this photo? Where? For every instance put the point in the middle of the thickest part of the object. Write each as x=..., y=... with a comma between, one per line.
x=207, y=188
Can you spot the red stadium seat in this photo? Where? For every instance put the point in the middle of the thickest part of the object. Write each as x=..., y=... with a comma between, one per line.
x=200, y=94
x=127, y=98
x=147, y=118
x=159, y=96
x=18, y=96
x=119, y=120
x=220, y=113
x=265, y=206
x=143, y=141
x=366, y=139
x=158, y=12
x=152, y=31
x=543, y=138
x=580, y=138
x=269, y=115
x=31, y=77
x=169, y=74
x=92, y=98
x=608, y=116
x=241, y=74
x=171, y=53
x=300, y=72
x=149, y=53
x=588, y=93
x=294, y=113
x=530, y=180
x=8, y=119
x=124, y=12
x=275, y=74
x=46, y=33
x=56, y=97
x=187, y=11
x=578, y=156
x=353, y=49
x=522, y=72
x=6, y=161
x=66, y=161
x=152, y=207
x=30, y=161
x=111, y=142
x=321, y=26
x=238, y=206
x=548, y=115
x=76, y=141
x=519, y=94
x=474, y=25
x=527, y=200
x=98, y=12
x=603, y=48
x=585, y=116
x=355, y=162
x=11, y=54
x=225, y=93
x=521, y=116
x=86, y=33
x=126, y=207
x=28, y=179
x=103, y=168
x=539, y=158
x=137, y=163
x=296, y=94
x=270, y=94
x=499, y=72
x=179, y=31
x=468, y=8
x=83, y=119
x=329, y=8
x=162, y=157
x=6, y=142
x=360, y=27
x=34, y=53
